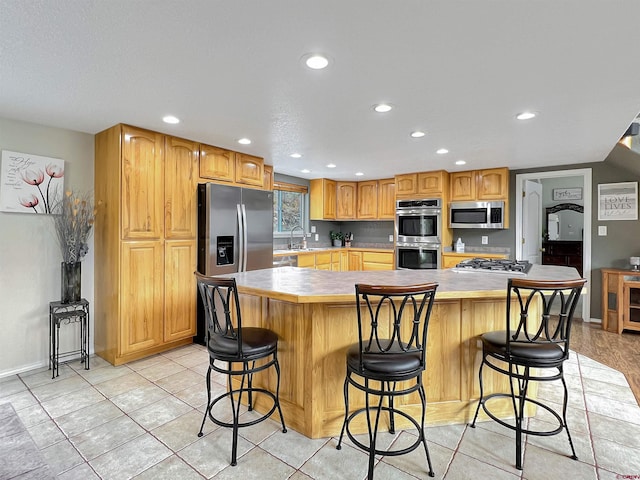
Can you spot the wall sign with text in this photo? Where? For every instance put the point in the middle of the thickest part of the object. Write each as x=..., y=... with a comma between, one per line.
x=618, y=201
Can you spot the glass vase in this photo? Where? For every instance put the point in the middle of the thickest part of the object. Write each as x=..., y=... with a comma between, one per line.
x=71, y=276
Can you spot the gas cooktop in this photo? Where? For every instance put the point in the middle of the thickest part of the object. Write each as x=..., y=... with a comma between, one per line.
x=492, y=265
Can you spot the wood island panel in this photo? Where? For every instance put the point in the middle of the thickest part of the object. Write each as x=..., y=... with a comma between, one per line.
x=314, y=315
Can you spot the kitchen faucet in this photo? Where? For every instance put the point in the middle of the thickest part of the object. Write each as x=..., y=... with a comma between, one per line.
x=299, y=245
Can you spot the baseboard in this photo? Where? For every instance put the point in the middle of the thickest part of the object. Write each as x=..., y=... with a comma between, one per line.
x=23, y=369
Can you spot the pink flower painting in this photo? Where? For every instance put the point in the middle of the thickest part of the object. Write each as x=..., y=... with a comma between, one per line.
x=30, y=183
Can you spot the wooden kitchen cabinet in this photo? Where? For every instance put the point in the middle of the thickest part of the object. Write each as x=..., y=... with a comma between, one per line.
x=471, y=185
x=406, y=184
x=463, y=186
x=145, y=243
x=249, y=169
x=493, y=184
x=267, y=182
x=346, y=193
x=422, y=185
x=620, y=300
x=367, y=199
x=141, y=297
x=141, y=192
x=180, y=183
x=387, y=199
x=377, y=260
x=217, y=164
x=355, y=261
x=432, y=184
x=451, y=259
x=322, y=199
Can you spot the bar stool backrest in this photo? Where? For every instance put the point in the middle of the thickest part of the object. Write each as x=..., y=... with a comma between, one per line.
x=557, y=300
x=409, y=310
x=222, y=314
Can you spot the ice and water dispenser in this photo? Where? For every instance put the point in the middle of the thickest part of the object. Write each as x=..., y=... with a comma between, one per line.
x=224, y=250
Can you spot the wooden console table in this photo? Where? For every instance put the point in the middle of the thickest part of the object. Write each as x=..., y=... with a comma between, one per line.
x=620, y=300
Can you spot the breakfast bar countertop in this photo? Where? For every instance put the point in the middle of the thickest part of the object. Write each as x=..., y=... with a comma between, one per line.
x=305, y=285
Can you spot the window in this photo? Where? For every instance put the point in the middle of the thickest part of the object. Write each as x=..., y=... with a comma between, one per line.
x=289, y=207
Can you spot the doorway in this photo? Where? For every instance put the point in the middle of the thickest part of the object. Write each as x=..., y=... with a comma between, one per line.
x=524, y=223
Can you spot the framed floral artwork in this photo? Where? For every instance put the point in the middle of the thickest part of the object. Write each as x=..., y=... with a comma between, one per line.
x=30, y=183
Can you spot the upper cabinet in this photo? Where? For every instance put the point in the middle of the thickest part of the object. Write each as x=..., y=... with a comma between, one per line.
x=387, y=199
x=346, y=194
x=217, y=164
x=267, y=183
x=422, y=185
x=180, y=180
x=367, y=197
x=249, y=169
x=142, y=194
x=322, y=202
x=489, y=184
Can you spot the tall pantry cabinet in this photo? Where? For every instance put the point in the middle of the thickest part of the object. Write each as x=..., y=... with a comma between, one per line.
x=145, y=242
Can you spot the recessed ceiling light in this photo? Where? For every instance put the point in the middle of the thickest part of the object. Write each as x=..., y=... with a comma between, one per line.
x=460, y=162
x=417, y=134
x=244, y=141
x=305, y=170
x=525, y=115
x=170, y=119
x=359, y=174
x=316, y=61
x=295, y=155
x=331, y=165
x=383, y=107
x=442, y=151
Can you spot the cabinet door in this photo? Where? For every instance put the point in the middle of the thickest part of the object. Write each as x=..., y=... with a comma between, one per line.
x=179, y=289
x=322, y=199
x=493, y=184
x=463, y=185
x=387, y=199
x=142, y=184
x=346, y=200
x=407, y=184
x=355, y=261
x=267, y=183
x=217, y=164
x=307, y=260
x=377, y=261
x=141, y=296
x=367, y=198
x=249, y=169
x=431, y=184
x=180, y=180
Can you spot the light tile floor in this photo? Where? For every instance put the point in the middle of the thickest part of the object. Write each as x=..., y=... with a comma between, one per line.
x=140, y=421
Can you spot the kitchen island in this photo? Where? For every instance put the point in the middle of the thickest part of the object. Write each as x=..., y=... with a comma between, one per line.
x=313, y=312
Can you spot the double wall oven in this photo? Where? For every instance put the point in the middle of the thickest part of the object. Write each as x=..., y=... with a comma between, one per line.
x=418, y=230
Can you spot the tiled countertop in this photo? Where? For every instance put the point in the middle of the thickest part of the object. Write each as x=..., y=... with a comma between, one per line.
x=304, y=285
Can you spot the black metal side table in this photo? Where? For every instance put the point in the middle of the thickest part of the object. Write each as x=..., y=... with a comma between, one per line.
x=66, y=314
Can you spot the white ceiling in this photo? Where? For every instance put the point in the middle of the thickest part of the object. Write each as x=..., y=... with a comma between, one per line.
x=459, y=70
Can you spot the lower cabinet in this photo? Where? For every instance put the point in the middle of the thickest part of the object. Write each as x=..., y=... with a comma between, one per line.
x=346, y=260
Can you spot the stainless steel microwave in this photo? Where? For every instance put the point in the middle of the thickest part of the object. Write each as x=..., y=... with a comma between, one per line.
x=476, y=214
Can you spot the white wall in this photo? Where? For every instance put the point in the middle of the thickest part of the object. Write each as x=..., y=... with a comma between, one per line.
x=29, y=255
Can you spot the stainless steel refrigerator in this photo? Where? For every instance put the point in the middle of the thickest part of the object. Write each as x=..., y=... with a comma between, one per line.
x=235, y=233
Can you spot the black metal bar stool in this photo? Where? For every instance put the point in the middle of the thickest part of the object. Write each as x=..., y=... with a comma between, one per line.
x=376, y=365
x=527, y=345
x=239, y=348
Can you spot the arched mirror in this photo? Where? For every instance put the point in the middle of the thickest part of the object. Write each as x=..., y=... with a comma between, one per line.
x=565, y=222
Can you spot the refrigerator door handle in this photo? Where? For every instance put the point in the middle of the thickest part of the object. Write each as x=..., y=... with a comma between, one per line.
x=244, y=240
x=240, y=239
